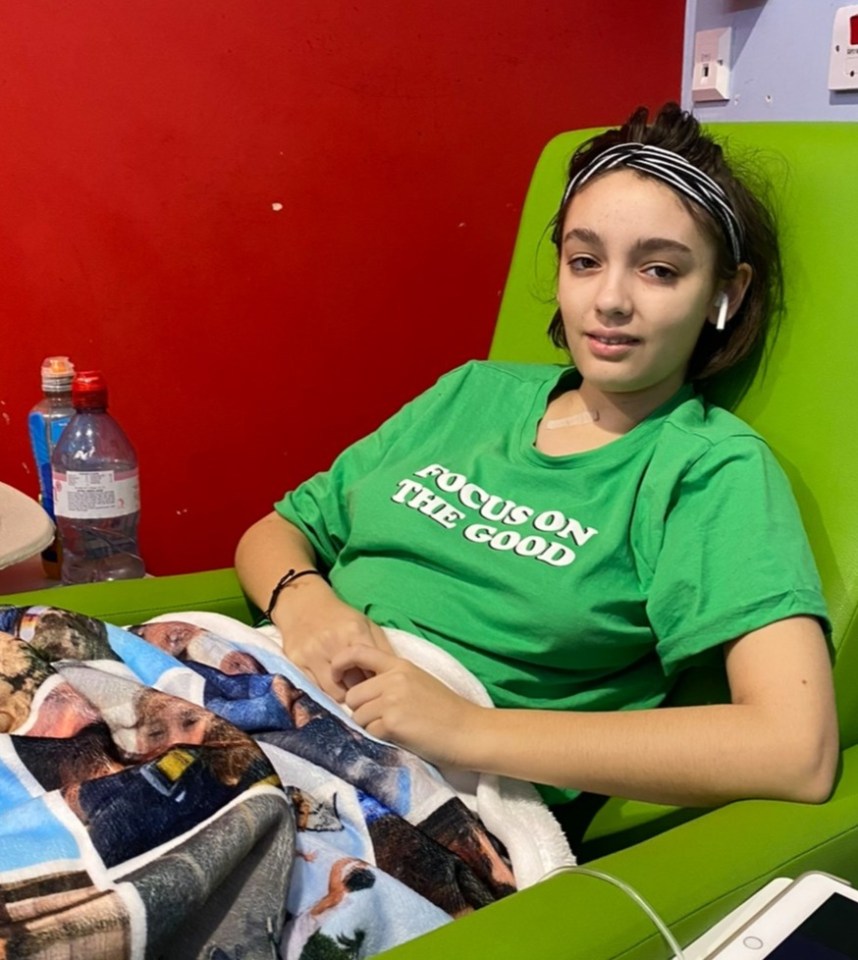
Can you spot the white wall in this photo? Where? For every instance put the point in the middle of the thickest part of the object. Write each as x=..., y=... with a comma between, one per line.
x=779, y=59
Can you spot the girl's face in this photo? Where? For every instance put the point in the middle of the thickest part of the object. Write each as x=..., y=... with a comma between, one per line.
x=636, y=284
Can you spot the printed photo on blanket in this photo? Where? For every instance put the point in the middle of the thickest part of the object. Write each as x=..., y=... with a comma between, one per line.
x=129, y=755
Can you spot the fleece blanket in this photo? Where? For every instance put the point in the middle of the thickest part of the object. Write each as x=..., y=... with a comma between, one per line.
x=179, y=789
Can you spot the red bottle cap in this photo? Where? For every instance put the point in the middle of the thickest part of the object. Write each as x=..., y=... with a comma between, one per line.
x=89, y=390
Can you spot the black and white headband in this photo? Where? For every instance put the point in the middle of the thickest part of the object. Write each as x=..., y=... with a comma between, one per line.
x=676, y=172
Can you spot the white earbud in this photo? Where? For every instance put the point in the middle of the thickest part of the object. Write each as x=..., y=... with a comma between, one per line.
x=722, y=302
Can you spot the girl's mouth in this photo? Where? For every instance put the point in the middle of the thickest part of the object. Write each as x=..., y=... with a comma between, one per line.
x=613, y=347
x=614, y=340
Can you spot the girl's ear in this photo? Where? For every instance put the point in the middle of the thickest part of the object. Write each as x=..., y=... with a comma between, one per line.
x=730, y=297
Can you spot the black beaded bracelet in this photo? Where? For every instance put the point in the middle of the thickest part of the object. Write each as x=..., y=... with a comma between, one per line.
x=289, y=577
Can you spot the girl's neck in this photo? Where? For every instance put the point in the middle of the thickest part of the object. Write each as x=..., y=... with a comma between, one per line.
x=619, y=412
x=581, y=417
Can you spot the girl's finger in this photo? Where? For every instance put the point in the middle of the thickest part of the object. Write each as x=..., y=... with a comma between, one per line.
x=363, y=657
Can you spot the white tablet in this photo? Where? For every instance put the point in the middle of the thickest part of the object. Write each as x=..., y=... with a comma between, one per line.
x=814, y=918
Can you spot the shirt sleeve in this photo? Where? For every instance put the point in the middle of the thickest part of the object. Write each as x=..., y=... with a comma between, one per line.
x=319, y=507
x=734, y=556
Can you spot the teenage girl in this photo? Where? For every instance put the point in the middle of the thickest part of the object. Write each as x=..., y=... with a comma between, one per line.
x=577, y=536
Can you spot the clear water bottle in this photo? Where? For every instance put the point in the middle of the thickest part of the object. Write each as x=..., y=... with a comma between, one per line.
x=96, y=490
x=45, y=423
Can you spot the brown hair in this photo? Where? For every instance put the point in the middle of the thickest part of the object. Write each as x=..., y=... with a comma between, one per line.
x=676, y=130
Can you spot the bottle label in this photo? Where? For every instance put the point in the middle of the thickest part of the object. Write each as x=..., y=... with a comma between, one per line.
x=44, y=434
x=96, y=494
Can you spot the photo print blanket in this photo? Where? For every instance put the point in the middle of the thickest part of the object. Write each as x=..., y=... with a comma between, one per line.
x=178, y=789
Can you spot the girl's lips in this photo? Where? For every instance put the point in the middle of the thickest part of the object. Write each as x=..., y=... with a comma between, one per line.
x=610, y=347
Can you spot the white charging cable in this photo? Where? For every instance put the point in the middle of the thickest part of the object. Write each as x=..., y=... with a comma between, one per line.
x=663, y=929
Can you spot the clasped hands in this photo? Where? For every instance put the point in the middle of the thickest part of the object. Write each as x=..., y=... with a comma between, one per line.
x=351, y=660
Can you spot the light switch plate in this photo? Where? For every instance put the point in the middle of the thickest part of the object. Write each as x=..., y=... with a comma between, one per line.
x=711, y=77
x=843, y=66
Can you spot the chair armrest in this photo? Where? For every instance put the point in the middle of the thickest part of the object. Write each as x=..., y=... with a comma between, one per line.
x=693, y=875
x=132, y=601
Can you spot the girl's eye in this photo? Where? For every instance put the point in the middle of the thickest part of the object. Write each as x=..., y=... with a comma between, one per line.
x=661, y=272
x=582, y=262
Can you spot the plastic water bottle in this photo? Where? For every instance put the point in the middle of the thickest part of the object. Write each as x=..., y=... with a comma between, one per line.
x=45, y=423
x=96, y=490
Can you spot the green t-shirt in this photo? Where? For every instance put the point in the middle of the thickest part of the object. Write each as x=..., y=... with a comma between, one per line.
x=576, y=582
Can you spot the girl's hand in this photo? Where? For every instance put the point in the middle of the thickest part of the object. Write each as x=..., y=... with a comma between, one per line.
x=404, y=704
x=315, y=626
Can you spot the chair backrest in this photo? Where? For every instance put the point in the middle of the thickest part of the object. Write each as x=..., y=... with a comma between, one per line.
x=804, y=399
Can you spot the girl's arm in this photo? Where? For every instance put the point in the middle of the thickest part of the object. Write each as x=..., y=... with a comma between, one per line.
x=266, y=551
x=776, y=739
x=312, y=621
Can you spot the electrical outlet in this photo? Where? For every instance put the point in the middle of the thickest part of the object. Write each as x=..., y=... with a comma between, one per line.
x=711, y=78
x=843, y=66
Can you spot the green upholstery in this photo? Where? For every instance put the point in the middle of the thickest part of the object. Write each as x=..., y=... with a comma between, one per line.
x=696, y=871
x=133, y=601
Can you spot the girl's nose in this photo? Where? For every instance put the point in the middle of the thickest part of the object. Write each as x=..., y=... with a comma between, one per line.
x=613, y=300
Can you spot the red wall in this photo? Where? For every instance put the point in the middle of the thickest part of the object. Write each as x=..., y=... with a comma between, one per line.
x=142, y=146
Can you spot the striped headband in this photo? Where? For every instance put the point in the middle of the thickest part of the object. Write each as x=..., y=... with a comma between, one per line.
x=676, y=172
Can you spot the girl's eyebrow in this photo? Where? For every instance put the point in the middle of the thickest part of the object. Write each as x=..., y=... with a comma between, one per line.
x=651, y=244
x=645, y=245
x=584, y=235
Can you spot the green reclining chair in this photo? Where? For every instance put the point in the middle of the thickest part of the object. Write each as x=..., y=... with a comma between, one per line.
x=693, y=866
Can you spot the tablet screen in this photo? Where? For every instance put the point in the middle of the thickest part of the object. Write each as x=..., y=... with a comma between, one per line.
x=829, y=933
